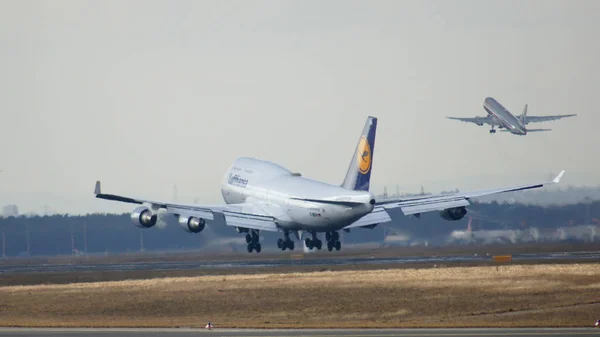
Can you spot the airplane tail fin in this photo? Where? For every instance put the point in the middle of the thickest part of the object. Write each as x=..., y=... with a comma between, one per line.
x=358, y=175
x=524, y=115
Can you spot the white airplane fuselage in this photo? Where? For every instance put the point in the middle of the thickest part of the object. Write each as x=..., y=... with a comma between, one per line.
x=274, y=188
x=504, y=117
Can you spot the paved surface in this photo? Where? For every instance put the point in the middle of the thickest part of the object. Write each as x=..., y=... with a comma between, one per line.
x=197, y=265
x=15, y=332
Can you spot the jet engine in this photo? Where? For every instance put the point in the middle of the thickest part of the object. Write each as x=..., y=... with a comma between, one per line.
x=142, y=217
x=453, y=214
x=192, y=224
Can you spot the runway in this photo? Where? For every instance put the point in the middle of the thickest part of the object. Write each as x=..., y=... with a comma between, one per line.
x=563, y=332
x=199, y=265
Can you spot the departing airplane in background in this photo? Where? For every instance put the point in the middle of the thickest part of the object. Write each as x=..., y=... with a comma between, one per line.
x=263, y=196
x=502, y=118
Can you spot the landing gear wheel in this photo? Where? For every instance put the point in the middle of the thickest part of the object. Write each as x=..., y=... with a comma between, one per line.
x=329, y=245
x=309, y=244
x=338, y=245
x=318, y=244
x=285, y=244
x=252, y=239
x=335, y=236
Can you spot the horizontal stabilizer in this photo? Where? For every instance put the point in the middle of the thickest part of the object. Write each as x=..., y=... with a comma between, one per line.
x=331, y=202
x=377, y=216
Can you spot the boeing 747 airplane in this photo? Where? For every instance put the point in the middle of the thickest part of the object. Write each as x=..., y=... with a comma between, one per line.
x=263, y=196
x=502, y=118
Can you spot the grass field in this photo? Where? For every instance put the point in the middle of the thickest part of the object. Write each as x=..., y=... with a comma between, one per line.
x=509, y=296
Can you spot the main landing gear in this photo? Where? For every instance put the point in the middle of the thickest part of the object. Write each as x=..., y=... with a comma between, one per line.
x=252, y=241
x=333, y=241
x=286, y=243
x=314, y=242
x=493, y=130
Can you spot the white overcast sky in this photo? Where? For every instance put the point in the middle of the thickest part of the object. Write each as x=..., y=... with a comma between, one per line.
x=145, y=95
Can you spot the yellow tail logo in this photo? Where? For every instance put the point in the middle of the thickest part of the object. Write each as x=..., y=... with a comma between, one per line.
x=363, y=155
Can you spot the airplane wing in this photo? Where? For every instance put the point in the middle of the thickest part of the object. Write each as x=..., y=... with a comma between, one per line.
x=536, y=119
x=476, y=120
x=421, y=204
x=530, y=130
x=245, y=215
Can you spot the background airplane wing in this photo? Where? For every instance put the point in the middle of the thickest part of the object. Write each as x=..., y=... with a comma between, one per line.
x=245, y=215
x=476, y=120
x=417, y=205
x=536, y=119
x=529, y=130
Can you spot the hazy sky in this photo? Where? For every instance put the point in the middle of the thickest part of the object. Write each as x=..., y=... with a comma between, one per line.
x=145, y=95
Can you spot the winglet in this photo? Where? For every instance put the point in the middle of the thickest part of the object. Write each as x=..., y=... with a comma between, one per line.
x=558, y=177
x=97, y=188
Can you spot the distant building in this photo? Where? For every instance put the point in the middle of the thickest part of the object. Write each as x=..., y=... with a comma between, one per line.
x=10, y=210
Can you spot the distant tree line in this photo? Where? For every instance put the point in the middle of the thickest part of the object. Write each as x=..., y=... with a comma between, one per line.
x=115, y=233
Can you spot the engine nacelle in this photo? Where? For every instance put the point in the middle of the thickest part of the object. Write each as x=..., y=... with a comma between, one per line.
x=142, y=217
x=192, y=224
x=453, y=214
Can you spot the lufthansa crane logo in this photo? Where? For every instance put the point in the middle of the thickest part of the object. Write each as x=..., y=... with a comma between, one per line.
x=363, y=155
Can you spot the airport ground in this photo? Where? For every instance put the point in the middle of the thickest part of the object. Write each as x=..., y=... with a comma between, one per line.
x=162, y=332
x=527, y=293
x=364, y=251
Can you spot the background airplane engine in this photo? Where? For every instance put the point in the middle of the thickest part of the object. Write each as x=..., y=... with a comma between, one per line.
x=453, y=214
x=192, y=224
x=142, y=217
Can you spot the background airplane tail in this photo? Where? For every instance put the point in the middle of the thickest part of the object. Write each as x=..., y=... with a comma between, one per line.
x=523, y=115
x=359, y=171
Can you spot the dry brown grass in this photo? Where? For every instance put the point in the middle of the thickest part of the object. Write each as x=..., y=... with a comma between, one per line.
x=526, y=295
